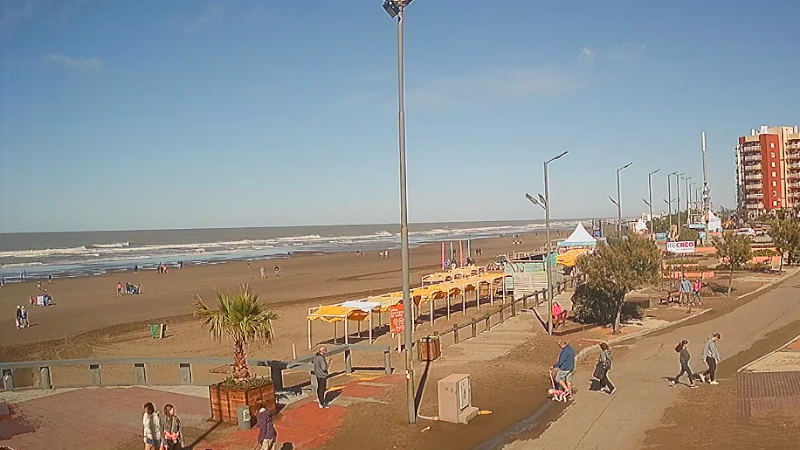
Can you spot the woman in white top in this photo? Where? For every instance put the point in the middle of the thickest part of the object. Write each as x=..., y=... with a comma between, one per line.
x=152, y=427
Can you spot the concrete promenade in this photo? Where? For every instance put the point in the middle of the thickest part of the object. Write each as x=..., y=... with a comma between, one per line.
x=597, y=420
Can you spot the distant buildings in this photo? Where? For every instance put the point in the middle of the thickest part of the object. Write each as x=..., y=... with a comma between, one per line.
x=768, y=170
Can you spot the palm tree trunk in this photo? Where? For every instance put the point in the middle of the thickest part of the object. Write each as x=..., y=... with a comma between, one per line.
x=240, y=369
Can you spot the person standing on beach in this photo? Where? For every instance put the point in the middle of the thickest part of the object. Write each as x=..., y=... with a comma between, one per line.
x=173, y=436
x=711, y=354
x=24, y=320
x=565, y=366
x=261, y=271
x=696, y=287
x=604, y=362
x=266, y=427
x=19, y=316
x=119, y=288
x=684, y=358
x=321, y=374
x=277, y=271
x=151, y=424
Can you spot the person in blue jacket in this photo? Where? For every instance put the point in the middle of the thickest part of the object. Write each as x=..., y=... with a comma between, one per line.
x=565, y=366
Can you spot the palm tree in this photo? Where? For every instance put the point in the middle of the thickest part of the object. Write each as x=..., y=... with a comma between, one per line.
x=243, y=318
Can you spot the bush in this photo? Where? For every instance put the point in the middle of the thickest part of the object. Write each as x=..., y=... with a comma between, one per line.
x=765, y=252
x=592, y=305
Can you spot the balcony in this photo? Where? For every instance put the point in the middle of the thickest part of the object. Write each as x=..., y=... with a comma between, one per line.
x=753, y=177
x=751, y=148
x=793, y=165
x=794, y=185
x=751, y=167
x=755, y=186
x=754, y=196
x=753, y=157
x=754, y=206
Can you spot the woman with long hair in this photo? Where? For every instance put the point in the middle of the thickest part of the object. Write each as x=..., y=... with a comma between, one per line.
x=173, y=435
x=684, y=358
x=152, y=427
x=604, y=363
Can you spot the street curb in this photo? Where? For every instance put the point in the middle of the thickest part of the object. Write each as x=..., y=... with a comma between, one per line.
x=586, y=350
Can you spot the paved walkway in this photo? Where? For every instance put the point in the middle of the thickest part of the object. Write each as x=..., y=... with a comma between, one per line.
x=596, y=420
x=90, y=418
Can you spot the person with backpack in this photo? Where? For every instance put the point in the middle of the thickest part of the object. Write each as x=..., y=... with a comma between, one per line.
x=173, y=435
x=266, y=427
x=684, y=359
x=603, y=367
x=711, y=354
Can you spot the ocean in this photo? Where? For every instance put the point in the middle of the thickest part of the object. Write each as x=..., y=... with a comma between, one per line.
x=71, y=254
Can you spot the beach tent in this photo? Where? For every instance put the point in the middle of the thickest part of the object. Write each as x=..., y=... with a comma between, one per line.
x=640, y=226
x=579, y=238
x=714, y=222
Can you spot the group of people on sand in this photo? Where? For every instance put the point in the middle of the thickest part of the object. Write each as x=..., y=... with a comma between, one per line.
x=22, y=317
x=383, y=254
x=162, y=433
x=711, y=356
x=162, y=268
x=263, y=272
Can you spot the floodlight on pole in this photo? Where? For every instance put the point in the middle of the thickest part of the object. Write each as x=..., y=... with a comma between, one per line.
x=619, y=198
x=546, y=202
x=647, y=203
x=612, y=200
x=534, y=200
x=395, y=9
x=669, y=203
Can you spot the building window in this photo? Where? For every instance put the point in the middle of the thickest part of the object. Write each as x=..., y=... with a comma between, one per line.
x=772, y=154
x=774, y=183
x=774, y=203
x=774, y=174
x=774, y=193
x=773, y=163
x=771, y=145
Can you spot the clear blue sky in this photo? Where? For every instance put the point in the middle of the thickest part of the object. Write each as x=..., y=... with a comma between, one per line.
x=177, y=114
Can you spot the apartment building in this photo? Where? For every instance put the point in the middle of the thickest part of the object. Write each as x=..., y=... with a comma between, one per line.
x=768, y=169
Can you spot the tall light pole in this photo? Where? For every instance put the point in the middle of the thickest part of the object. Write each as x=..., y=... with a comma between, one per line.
x=619, y=198
x=650, y=197
x=669, y=202
x=395, y=9
x=678, y=188
x=545, y=203
x=688, y=193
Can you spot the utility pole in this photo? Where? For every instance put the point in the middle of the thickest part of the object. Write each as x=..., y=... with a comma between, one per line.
x=669, y=202
x=706, y=187
x=650, y=197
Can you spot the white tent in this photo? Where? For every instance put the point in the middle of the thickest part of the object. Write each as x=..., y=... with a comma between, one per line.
x=640, y=226
x=579, y=238
x=714, y=222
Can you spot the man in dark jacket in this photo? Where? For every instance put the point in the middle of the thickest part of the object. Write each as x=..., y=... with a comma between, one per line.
x=321, y=374
x=565, y=366
x=266, y=427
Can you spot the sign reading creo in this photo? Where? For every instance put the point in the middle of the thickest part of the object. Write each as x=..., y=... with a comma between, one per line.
x=680, y=247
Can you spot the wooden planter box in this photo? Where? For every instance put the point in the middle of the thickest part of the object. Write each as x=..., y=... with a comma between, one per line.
x=225, y=401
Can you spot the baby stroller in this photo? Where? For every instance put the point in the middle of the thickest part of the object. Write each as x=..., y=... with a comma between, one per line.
x=556, y=393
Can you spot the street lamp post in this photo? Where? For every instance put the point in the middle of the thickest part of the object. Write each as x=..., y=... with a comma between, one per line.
x=545, y=203
x=678, y=188
x=650, y=198
x=688, y=194
x=669, y=202
x=619, y=199
x=395, y=9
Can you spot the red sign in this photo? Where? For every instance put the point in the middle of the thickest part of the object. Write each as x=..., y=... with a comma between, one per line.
x=397, y=322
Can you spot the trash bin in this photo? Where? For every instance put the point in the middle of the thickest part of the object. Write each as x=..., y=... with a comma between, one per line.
x=429, y=348
x=243, y=417
x=154, y=330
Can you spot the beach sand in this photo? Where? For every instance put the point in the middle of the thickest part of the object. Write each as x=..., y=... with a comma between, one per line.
x=89, y=319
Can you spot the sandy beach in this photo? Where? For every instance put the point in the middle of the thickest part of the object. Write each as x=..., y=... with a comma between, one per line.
x=89, y=319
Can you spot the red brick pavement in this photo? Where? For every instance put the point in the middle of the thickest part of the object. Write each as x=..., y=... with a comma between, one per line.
x=303, y=424
x=100, y=418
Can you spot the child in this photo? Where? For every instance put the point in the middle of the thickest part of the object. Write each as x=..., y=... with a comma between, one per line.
x=684, y=359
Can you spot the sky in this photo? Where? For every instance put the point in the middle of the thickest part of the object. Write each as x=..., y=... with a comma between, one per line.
x=182, y=114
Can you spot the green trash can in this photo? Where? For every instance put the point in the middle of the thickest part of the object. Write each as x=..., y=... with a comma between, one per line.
x=155, y=330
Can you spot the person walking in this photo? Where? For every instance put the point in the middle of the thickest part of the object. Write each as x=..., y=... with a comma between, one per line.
x=173, y=435
x=604, y=364
x=24, y=320
x=119, y=288
x=277, y=271
x=684, y=358
x=711, y=354
x=321, y=374
x=266, y=427
x=262, y=272
x=19, y=316
x=151, y=423
x=565, y=366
